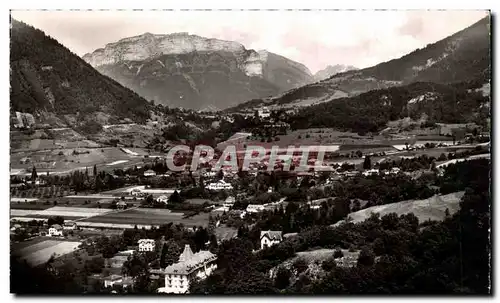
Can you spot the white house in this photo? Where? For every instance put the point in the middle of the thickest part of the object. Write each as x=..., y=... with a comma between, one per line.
x=162, y=199
x=111, y=280
x=69, y=226
x=220, y=185
x=229, y=202
x=118, y=280
x=178, y=276
x=55, y=230
x=371, y=172
x=254, y=208
x=146, y=244
x=149, y=173
x=269, y=238
x=264, y=112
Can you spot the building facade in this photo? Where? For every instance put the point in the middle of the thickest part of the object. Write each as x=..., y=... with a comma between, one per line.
x=191, y=265
x=55, y=230
x=146, y=245
x=270, y=238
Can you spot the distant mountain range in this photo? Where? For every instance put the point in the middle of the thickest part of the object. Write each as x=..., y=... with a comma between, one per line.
x=182, y=70
x=461, y=57
x=55, y=85
x=330, y=70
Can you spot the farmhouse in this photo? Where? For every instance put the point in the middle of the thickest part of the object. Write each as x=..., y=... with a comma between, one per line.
x=149, y=173
x=269, y=238
x=69, y=226
x=146, y=244
x=190, y=266
x=55, y=230
x=220, y=185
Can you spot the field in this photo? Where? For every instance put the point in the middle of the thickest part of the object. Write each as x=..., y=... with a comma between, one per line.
x=65, y=160
x=41, y=251
x=65, y=212
x=433, y=208
x=147, y=216
x=17, y=246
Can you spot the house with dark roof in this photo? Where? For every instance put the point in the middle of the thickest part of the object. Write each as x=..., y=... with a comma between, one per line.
x=270, y=238
x=191, y=266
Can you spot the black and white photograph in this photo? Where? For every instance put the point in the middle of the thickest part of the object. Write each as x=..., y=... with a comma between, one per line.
x=254, y=152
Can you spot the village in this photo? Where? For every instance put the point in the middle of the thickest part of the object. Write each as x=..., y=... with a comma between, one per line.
x=54, y=217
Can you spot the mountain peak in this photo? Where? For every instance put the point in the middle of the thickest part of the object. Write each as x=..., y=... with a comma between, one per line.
x=148, y=46
x=331, y=70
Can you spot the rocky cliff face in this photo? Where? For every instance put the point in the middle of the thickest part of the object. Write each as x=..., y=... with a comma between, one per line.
x=194, y=72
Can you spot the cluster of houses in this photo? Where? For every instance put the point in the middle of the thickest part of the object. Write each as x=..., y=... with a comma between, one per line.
x=219, y=185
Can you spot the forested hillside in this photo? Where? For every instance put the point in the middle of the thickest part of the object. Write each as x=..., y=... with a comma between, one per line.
x=47, y=77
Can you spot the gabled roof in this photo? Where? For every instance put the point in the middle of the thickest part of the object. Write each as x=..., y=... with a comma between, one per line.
x=189, y=261
x=56, y=226
x=272, y=235
x=145, y=241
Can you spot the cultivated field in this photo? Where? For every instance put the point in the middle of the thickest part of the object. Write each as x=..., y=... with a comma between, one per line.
x=433, y=208
x=148, y=216
x=65, y=212
x=41, y=252
x=65, y=160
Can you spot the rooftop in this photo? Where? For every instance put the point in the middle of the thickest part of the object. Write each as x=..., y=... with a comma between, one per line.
x=272, y=235
x=189, y=261
x=56, y=226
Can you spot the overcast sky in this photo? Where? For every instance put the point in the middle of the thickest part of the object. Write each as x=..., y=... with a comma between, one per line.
x=314, y=38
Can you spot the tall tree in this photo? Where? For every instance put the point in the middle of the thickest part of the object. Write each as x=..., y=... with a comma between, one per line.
x=34, y=175
x=170, y=253
x=367, y=164
x=95, y=170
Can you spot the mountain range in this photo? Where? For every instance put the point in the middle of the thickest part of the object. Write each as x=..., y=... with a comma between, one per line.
x=445, y=81
x=462, y=57
x=183, y=70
